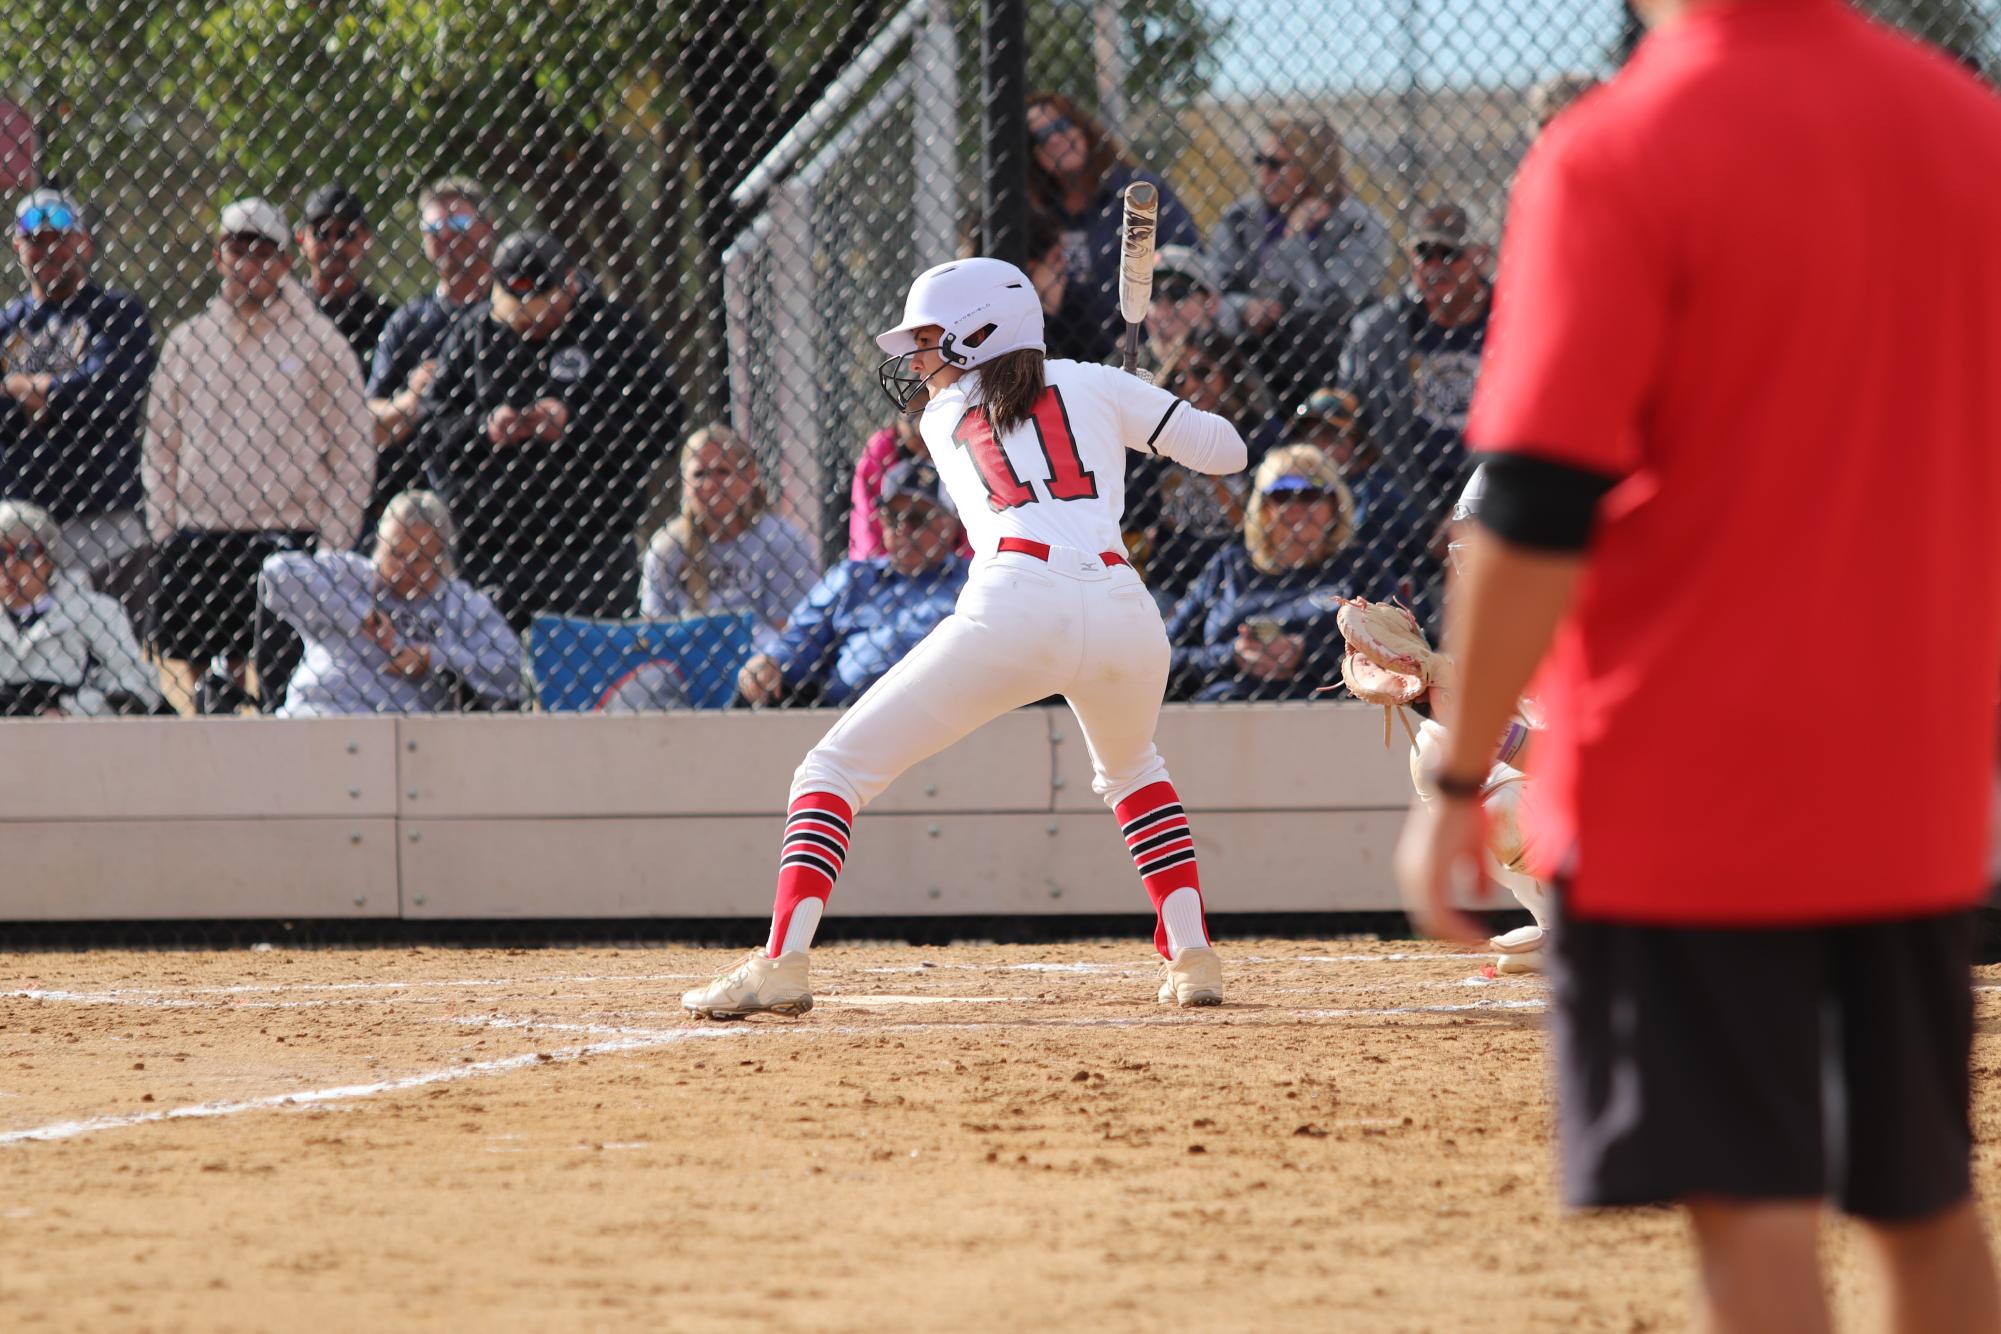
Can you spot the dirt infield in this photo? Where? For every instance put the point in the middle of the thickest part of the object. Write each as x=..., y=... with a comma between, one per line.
x=971, y=1137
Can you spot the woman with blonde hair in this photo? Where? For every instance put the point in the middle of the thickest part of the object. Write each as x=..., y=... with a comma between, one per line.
x=1259, y=621
x=726, y=552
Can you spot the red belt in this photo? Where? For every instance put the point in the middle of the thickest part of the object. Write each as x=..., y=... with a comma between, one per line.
x=1040, y=550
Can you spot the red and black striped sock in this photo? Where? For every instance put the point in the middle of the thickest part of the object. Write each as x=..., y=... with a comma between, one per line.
x=817, y=828
x=1163, y=850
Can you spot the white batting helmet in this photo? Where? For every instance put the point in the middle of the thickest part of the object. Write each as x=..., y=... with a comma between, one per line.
x=1468, y=504
x=985, y=307
x=963, y=298
x=1464, y=510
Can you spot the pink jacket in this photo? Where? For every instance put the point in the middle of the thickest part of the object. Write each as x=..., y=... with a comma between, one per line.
x=879, y=455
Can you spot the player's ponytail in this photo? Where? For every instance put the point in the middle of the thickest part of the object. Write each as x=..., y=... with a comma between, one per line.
x=1012, y=382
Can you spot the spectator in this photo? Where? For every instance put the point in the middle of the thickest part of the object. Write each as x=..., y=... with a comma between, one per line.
x=1259, y=622
x=1187, y=305
x=64, y=648
x=864, y=615
x=1389, y=539
x=1300, y=255
x=1548, y=98
x=1070, y=326
x=1176, y=519
x=396, y=633
x=551, y=405
x=1411, y=361
x=1077, y=175
x=1331, y=421
x=457, y=227
x=333, y=236
x=74, y=361
x=885, y=449
x=1301, y=240
x=257, y=439
x=726, y=551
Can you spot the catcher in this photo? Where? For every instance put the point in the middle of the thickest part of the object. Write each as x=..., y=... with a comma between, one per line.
x=1389, y=662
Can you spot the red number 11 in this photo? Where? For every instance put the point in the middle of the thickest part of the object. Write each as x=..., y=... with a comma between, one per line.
x=1005, y=490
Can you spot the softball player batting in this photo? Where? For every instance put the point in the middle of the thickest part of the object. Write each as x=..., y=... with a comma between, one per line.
x=1032, y=452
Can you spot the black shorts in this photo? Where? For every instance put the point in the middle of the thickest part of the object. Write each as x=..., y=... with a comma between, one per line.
x=1801, y=1063
x=204, y=595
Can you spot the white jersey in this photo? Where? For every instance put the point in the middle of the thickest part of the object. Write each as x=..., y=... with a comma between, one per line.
x=1060, y=478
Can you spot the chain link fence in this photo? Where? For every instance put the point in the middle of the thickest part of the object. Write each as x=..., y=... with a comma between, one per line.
x=407, y=357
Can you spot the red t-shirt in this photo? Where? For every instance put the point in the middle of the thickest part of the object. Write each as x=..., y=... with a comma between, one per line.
x=1758, y=278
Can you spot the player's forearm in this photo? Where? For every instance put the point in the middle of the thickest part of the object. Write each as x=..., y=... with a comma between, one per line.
x=1201, y=441
x=1505, y=604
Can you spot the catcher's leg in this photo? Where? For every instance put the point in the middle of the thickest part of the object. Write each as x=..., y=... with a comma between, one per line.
x=1520, y=950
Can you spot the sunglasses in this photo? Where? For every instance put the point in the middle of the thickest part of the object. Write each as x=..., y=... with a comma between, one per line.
x=1271, y=162
x=911, y=516
x=451, y=222
x=528, y=285
x=46, y=218
x=1052, y=129
x=1304, y=495
x=1177, y=289
x=1436, y=253
x=28, y=550
x=251, y=244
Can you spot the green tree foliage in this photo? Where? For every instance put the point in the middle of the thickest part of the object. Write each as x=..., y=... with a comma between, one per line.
x=619, y=125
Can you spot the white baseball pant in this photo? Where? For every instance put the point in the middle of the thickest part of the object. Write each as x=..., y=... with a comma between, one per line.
x=1023, y=629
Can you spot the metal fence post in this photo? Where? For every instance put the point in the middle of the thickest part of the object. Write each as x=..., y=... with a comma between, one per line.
x=1004, y=128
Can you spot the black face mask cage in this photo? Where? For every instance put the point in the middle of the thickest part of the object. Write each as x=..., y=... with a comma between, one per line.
x=905, y=387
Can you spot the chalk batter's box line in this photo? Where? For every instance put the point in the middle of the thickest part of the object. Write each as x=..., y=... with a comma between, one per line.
x=131, y=995
x=643, y=1040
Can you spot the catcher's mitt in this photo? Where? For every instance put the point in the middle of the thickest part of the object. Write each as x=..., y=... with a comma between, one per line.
x=1389, y=661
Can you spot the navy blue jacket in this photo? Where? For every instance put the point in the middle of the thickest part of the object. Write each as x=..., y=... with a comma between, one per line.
x=83, y=456
x=860, y=620
x=1231, y=591
x=412, y=336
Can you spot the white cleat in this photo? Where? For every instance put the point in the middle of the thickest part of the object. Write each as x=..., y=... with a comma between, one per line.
x=1520, y=950
x=758, y=985
x=1194, y=978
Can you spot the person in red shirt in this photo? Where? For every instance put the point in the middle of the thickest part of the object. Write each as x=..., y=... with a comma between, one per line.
x=1738, y=398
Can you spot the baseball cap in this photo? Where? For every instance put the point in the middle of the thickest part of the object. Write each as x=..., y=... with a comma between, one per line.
x=254, y=217
x=1336, y=407
x=1440, y=224
x=916, y=479
x=1188, y=262
x=47, y=211
x=334, y=201
x=529, y=262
